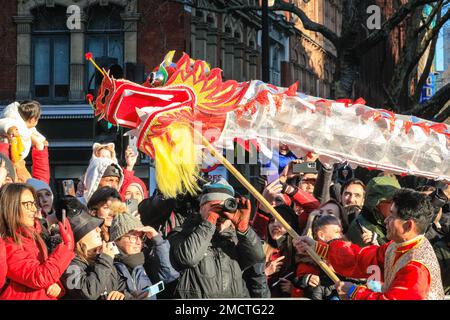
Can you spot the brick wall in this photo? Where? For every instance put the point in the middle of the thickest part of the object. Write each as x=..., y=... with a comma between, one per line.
x=164, y=26
x=8, y=35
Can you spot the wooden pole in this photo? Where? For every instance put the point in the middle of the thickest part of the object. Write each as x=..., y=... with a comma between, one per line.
x=267, y=205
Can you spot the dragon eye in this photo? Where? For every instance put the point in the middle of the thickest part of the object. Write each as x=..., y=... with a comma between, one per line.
x=105, y=95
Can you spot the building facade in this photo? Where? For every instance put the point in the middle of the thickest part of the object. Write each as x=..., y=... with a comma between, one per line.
x=312, y=56
x=44, y=42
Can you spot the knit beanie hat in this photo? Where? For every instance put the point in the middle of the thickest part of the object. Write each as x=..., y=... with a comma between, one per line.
x=39, y=185
x=122, y=224
x=219, y=190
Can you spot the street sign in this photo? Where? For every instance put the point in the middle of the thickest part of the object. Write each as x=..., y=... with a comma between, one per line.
x=428, y=89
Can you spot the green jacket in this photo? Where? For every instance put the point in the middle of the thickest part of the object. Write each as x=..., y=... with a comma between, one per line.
x=378, y=189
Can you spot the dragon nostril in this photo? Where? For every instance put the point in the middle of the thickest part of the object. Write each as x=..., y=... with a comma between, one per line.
x=105, y=95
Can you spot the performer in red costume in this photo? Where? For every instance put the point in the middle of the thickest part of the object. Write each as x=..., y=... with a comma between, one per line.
x=408, y=265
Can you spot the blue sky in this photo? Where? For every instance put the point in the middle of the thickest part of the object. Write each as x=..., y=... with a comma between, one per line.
x=440, y=46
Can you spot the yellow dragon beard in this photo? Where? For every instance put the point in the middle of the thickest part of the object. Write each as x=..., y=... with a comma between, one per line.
x=176, y=164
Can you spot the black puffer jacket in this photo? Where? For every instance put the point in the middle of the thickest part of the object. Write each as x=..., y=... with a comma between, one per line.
x=211, y=263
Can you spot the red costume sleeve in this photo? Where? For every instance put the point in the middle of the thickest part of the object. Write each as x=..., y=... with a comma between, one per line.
x=351, y=260
x=412, y=282
x=41, y=165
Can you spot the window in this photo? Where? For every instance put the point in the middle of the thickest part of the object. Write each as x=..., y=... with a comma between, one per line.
x=104, y=39
x=51, y=55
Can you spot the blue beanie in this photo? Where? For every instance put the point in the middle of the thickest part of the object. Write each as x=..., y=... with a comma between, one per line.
x=219, y=190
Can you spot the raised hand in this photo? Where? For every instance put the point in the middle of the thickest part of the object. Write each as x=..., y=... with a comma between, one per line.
x=66, y=233
x=274, y=266
x=241, y=218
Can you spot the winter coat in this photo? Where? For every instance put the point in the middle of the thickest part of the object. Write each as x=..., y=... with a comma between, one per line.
x=256, y=281
x=94, y=174
x=92, y=282
x=324, y=291
x=41, y=167
x=40, y=160
x=211, y=263
x=378, y=189
x=30, y=270
x=130, y=178
x=155, y=266
x=157, y=261
x=136, y=278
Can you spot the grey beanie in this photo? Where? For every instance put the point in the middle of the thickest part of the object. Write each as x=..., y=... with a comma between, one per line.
x=122, y=224
x=216, y=191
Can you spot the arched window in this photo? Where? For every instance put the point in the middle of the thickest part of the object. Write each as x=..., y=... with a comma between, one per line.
x=50, y=48
x=104, y=39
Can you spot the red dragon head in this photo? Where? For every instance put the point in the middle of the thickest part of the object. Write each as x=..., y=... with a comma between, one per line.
x=158, y=114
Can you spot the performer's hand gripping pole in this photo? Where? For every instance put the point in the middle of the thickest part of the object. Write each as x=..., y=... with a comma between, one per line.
x=267, y=205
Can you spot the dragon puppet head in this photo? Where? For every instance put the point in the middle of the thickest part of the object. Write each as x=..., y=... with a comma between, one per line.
x=176, y=101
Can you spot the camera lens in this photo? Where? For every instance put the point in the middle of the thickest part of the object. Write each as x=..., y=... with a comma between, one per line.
x=230, y=205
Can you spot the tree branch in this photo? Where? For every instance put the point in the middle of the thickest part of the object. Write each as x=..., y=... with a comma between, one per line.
x=226, y=9
x=429, y=20
x=444, y=115
x=431, y=108
x=278, y=5
x=308, y=24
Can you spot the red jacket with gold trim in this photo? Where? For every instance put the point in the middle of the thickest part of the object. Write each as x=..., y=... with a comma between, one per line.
x=411, y=282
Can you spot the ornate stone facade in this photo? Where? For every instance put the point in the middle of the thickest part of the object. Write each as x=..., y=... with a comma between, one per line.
x=24, y=20
x=311, y=55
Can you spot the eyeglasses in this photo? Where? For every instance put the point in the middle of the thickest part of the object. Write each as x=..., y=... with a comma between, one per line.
x=134, y=239
x=30, y=204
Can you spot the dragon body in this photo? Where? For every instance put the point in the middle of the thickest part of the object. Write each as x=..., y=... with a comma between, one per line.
x=187, y=97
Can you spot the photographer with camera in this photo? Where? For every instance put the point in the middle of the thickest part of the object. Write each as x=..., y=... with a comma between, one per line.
x=212, y=249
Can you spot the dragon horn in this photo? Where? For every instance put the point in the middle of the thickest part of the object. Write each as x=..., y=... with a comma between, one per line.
x=88, y=56
x=168, y=58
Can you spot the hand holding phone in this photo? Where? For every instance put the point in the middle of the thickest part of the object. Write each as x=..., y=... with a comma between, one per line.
x=154, y=289
x=68, y=188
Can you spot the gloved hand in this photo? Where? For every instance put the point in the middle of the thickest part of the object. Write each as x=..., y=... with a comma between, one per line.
x=211, y=212
x=289, y=190
x=241, y=218
x=66, y=234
